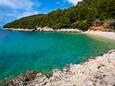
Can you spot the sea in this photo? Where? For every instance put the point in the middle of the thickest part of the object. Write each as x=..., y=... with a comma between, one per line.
x=44, y=51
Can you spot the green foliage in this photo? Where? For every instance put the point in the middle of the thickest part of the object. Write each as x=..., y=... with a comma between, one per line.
x=83, y=25
x=80, y=16
x=112, y=25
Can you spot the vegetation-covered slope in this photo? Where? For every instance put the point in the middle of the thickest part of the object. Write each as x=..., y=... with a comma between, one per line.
x=80, y=16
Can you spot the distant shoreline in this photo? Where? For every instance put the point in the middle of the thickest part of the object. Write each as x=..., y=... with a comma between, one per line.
x=45, y=29
x=108, y=35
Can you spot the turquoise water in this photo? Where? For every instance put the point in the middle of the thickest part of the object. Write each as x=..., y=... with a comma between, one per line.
x=43, y=51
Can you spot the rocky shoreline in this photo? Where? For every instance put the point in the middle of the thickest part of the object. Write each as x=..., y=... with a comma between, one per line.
x=45, y=29
x=98, y=71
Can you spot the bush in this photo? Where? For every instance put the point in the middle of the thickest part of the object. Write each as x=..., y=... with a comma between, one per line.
x=57, y=26
x=112, y=25
x=75, y=24
x=84, y=25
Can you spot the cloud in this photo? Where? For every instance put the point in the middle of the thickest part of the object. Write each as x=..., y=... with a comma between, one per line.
x=17, y=4
x=27, y=14
x=13, y=9
x=17, y=14
x=23, y=6
x=74, y=2
x=58, y=3
x=19, y=7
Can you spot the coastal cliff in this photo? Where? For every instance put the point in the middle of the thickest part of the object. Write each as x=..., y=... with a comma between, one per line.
x=98, y=71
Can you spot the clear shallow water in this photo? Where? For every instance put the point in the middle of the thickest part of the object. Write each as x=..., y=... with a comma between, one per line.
x=43, y=51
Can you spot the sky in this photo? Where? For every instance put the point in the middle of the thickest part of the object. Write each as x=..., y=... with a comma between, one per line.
x=14, y=9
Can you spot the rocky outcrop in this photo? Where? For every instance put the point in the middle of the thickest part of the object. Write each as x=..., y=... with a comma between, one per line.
x=98, y=71
x=19, y=29
x=45, y=29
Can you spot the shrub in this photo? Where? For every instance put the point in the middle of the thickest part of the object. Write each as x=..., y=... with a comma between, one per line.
x=112, y=25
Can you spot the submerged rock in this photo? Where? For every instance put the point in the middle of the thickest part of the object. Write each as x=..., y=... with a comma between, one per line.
x=96, y=72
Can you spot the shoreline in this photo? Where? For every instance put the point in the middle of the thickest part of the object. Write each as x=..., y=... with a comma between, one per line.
x=108, y=35
x=46, y=29
x=98, y=71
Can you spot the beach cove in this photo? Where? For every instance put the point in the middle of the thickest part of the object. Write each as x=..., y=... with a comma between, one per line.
x=44, y=51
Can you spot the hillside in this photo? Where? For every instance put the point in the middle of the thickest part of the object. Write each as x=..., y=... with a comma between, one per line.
x=80, y=16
